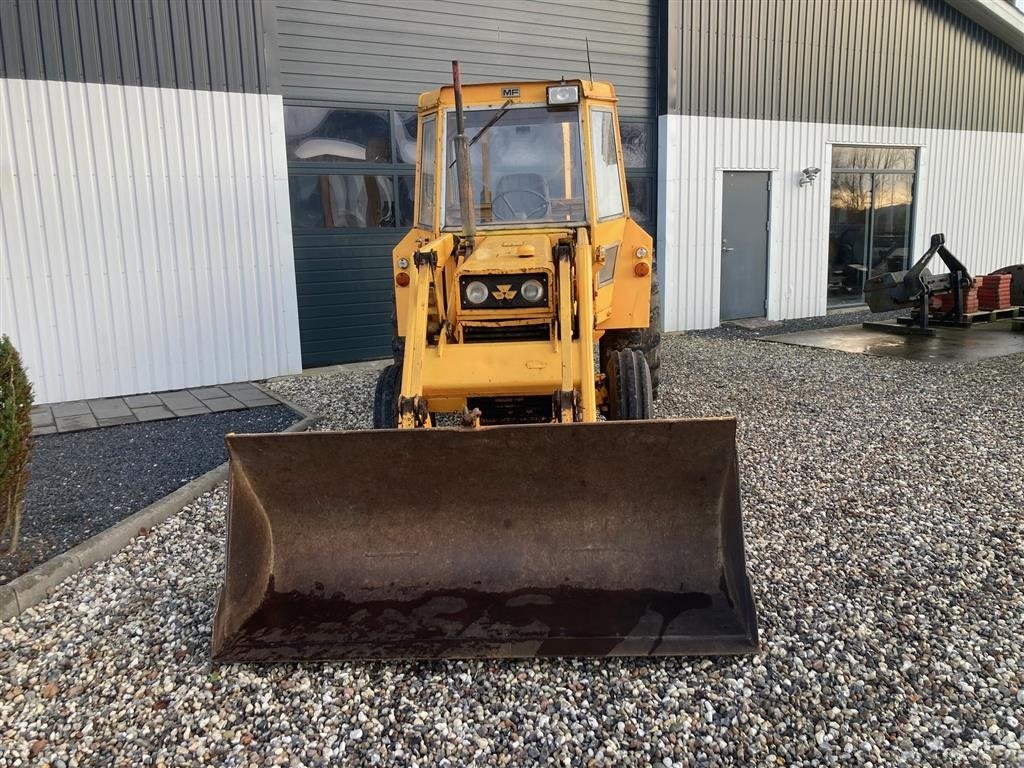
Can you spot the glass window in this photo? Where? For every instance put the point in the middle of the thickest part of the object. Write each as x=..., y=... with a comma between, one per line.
x=403, y=126
x=871, y=217
x=890, y=225
x=874, y=158
x=526, y=163
x=428, y=143
x=636, y=144
x=342, y=200
x=405, y=201
x=848, y=235
x=606, y=164
x=328, y=135
x=638, y=190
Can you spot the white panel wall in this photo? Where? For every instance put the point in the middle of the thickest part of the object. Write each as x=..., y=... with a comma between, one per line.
x=145, y=237
x=970, y=185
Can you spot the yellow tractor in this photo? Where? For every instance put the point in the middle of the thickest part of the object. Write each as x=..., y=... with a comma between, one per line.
x=534, y=527
x=486, y=286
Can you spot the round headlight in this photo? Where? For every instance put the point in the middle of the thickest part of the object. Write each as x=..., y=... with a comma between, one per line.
x=476, y=292
x=532, y=291
x=641, y=252
x=403, y=263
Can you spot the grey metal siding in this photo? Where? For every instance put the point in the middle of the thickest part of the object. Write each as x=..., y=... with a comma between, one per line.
x=904, y=63
x=345, y=295
x=349, y=53
x=145, y=241
x=389, y=52
x=212, y=45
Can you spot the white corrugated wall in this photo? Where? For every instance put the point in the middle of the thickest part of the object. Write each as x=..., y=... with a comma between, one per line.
x=970, y=185
x=146, y=237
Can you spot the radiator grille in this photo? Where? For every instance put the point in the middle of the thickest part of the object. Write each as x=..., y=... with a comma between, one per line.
x=532, y=332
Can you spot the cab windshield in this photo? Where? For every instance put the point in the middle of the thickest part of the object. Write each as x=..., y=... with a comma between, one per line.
x=527, y=166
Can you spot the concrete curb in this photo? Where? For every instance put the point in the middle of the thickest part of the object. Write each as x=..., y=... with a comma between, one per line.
x=306, y=415
x=36, y=585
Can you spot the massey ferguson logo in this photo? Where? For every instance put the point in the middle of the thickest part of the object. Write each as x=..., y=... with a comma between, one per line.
x=510, y=93
x=504, y=293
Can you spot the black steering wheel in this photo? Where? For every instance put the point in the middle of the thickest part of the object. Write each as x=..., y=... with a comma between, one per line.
x=530, y=213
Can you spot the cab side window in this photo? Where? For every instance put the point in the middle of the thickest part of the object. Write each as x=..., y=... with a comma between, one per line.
x=606, y=164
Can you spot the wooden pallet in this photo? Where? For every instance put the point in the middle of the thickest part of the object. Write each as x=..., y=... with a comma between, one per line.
x=968, y=319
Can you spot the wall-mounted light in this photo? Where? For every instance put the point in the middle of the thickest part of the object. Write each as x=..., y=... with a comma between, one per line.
x=808, y=175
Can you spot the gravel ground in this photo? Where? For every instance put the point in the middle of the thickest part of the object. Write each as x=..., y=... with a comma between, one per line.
x=83, y=482
x=883, y=507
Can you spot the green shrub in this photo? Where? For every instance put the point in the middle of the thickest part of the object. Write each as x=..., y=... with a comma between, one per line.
x=15, y=439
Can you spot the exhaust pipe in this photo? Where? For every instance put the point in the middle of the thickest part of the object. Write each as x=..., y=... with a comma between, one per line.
x=462, y=167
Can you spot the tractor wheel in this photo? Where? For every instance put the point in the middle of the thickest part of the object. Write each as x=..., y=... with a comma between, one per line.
x=646, y=339
x=629, y=385
x=385, y=398
x=397, y=342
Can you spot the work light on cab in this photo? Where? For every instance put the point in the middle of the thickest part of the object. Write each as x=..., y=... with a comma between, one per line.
x=563, y=95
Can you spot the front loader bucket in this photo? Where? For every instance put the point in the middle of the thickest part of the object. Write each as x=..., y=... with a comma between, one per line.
x=612, y=538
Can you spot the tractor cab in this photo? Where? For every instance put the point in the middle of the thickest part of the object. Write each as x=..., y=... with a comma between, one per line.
x=543, y=176
x=527, y=154
x=527, y=167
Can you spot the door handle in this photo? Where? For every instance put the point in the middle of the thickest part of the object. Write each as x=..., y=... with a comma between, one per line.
x=727, y=248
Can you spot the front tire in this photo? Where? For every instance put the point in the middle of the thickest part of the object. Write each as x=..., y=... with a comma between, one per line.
x=629, y=385
x=385, y=397
x=646, y=339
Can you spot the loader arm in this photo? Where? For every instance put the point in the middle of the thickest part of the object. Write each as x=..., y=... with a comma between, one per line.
x=564, y=255
x=429, y=260
x=585, y=297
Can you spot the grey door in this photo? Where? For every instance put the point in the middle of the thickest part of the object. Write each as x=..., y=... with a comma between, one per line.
x=744, y=244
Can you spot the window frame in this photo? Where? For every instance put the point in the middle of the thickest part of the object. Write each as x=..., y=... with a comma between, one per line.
x=400, y=170
x=866, y=169
x=871, y=173
x=610, y=110
x=491, y=225
x=394, y=169
x=648, y=174
x=434, y=115
x=651, y=128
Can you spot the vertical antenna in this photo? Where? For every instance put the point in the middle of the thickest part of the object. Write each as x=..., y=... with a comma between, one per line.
x=590, y=69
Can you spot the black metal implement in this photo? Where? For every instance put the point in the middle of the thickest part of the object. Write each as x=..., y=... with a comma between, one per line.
x=611, y=538
x=916, y=286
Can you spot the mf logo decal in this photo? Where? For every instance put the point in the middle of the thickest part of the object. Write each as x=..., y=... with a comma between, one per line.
x=504, y=293
x=510, y=93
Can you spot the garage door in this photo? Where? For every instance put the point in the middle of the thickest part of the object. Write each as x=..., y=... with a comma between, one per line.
x=350, y=75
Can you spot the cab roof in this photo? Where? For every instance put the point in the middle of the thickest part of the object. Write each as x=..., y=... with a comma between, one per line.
x=496, y=94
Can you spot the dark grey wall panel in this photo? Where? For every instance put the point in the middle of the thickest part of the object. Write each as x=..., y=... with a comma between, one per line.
x=914, y=63
x=386, y=53
x=345, y=295
x=389, y=52
x=199, y=44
